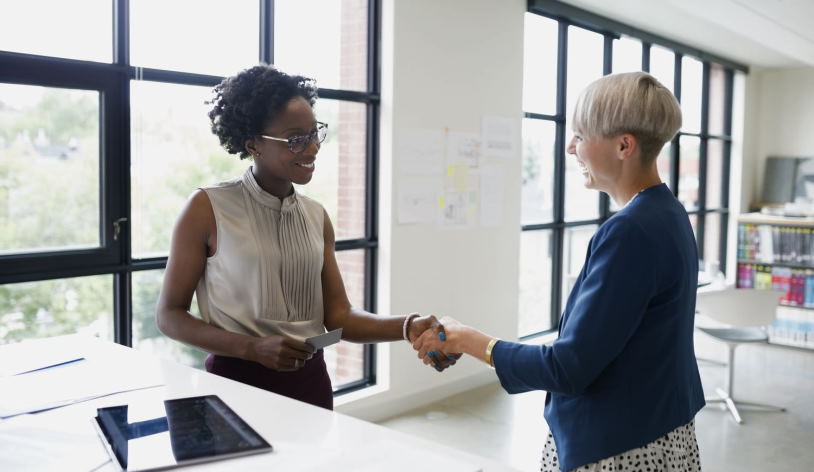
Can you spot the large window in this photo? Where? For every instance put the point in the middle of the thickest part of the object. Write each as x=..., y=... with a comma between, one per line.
x=104, y=135
x=565, y=49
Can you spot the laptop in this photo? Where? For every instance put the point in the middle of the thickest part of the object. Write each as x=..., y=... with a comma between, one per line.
x=155, y=436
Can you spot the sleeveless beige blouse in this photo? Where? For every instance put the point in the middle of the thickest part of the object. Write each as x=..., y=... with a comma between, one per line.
x=265, y=276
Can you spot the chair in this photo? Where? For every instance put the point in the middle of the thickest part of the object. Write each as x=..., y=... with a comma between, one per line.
x=746, y=312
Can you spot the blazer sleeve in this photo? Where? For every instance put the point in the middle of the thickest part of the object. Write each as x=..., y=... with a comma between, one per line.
x=619, y=280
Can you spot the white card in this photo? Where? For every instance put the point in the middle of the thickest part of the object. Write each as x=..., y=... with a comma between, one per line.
x=324, y=340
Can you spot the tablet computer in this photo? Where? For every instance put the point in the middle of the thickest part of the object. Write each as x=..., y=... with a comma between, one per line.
x=172, y=433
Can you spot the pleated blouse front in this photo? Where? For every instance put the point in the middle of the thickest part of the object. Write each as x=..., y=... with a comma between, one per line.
x=265, y=276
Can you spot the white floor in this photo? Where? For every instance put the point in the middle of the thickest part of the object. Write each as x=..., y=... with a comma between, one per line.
x=511, y=428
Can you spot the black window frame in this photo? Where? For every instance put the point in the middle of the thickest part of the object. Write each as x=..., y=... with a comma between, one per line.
x=568, y=16
x=112, y=80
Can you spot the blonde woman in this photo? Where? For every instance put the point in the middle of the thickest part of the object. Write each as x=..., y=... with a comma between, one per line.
x=622, y=380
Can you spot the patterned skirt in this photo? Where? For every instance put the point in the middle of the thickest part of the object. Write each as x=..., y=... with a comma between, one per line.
x=676, y=451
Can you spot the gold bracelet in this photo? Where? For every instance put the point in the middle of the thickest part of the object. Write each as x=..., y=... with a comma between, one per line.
x=488, y=355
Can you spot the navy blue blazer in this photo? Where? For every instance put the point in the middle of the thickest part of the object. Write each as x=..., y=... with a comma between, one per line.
x=623, y=371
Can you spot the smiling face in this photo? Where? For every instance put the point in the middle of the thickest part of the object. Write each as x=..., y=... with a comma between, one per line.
x=274, y=160
x=597, y=160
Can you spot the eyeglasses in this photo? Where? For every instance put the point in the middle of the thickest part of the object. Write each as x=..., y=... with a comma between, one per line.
x=297, y=144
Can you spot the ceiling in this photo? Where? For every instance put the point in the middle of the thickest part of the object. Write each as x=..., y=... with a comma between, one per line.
x=762, y=33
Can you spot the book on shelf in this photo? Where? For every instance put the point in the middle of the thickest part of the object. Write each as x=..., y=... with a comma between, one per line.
x=776, y=244
x=797, y=285
x=793, y=327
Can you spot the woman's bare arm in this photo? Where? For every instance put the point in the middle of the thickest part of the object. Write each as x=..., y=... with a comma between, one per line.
x=194, y=239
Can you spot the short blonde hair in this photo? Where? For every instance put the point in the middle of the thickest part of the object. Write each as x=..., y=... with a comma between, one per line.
x=634, y=103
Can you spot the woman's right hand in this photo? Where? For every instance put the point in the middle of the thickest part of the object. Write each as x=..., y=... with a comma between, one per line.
x=280, y=353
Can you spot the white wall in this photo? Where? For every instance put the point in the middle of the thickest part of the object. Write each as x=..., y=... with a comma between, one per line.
x=780, y=117
x=445, y=64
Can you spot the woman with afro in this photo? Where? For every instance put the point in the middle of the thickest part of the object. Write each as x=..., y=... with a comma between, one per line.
x=260, y=255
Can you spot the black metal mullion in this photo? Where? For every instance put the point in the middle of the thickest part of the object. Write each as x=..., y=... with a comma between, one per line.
x=675, y=149
x=558, y=234
x=567, y=224
x=541, y=116
x=645, y=56
x=607, y=68
x=727, y=150
x=372, y=177
x=123, y=306
x=121, y=32
x=559, y=10
x=267, y=31
x=174, y=77
x=702, y=162
x=65, y=273
x=349, y=95
x=116, y=176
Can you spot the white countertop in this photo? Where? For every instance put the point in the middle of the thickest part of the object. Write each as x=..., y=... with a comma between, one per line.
x=304, y=437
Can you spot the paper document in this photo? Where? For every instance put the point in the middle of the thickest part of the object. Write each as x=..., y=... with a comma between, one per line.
x=418, y=199
x=68, y=384
x=500, y=137
x=36, y=354
x=324, y=340
x=59, y=440
x=492, y=204
x=420, y=151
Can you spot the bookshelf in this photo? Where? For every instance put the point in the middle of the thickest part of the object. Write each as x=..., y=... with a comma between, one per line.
x=776, y=252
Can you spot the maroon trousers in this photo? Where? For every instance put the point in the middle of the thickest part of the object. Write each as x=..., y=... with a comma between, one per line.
x=310, y=383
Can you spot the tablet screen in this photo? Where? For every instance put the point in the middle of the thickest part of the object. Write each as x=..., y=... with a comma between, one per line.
x=177, y=432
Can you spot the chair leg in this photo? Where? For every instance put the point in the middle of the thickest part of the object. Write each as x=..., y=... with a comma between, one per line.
x=730, y=405
x=726, y=397
x=760, y=406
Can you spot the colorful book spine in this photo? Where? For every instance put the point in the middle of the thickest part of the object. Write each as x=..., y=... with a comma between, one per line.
x=793, y=327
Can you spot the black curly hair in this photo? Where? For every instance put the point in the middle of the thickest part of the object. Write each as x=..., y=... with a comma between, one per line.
x=245, y=102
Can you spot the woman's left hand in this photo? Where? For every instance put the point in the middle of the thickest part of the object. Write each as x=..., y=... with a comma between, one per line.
x=430, y=326
x=442, y=344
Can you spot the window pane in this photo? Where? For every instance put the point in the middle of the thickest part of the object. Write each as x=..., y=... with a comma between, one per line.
x=538, y=171
x=627, y=55
x=334, y=50
x=540, y=64
x=586, y=51
x=613, y=206
x=692, y=72
x=662, y=66
x=575, y=246
x=84, y=29
x=195, y=35
x=346, y=360
x=49, y=169
x=173, y=153
x=585, y=57
x=663, y=163
x=717, y=95
x=715, y=170
x=339, y=180
x=712, y=239
x=146, y=337
x=688, y=172
x=580, y=203
x=694, y=224
x=535, y=282
x=54, y=307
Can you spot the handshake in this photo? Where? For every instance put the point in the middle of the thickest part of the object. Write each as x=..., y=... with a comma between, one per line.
x=435, y=340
